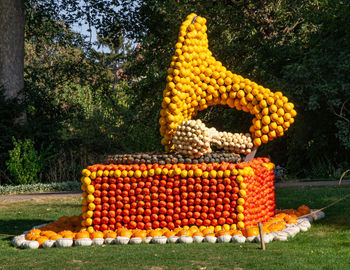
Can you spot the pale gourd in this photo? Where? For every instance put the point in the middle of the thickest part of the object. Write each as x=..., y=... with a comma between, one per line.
x=98, y=241
x=291, y=231
x=173, y=239
x=135, y=240
x=30, y=244
x=121, y=240
x=280, y=236
x=17, y=241
x=109, y=240
x=210, y=239
x=185, y=239
x=198, y=239
x=147, y=240
x=250, y=239
x=49, y=244
x=305, y=222
x=64, y=242
x=83, y=242
x=224, y=238
x=267, y=238
x=159, y=240
x=319, y=215
x=238, y=239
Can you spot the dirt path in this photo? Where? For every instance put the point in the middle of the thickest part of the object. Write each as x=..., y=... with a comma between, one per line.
x=78, y=193
x=40, y=195
x=312, y=183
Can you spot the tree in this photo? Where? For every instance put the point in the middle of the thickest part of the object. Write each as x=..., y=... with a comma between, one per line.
x=12, y=21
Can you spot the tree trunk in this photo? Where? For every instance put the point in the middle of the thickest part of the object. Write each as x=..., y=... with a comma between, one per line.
x=12, y=23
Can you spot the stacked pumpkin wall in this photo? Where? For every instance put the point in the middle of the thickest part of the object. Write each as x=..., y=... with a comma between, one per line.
x=175, y=195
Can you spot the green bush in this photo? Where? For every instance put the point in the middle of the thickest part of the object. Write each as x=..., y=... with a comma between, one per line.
x=25, y=162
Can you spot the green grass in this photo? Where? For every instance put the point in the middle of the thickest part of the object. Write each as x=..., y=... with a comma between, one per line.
x=325, y=246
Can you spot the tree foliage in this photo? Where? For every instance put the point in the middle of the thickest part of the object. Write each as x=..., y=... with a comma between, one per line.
x=298, y=47
x=76, y=102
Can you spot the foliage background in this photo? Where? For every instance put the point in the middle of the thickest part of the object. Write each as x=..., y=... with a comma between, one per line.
x=82, y=103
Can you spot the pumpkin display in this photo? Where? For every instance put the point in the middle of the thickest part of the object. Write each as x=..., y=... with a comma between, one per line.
x=191, y=193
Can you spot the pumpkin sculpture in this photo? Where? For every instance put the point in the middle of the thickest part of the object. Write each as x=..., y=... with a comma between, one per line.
x=191, y=195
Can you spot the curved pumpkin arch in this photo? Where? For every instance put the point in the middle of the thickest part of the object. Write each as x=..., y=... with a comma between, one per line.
x=196, y=81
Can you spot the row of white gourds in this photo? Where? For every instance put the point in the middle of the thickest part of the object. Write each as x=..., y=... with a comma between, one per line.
x=291, y=230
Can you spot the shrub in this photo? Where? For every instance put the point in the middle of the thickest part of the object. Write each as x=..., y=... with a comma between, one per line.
x=25, y=162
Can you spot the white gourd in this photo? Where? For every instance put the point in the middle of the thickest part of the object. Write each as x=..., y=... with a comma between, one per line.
x=135, y=240
x=109, y=241
x=198, y=239
x=173, y=239
x=185, y=239
x=319, y=215
x=147, y=240
x=17, y=241
x=159, y=240
x=238, y=239
x=30, y=244
x=83, y=242
x=49, y=244
x=224, y=238
x=98, y=241
x=210, y=239
x=250, y=239
x=120, y=240
x=64, y=242
x=280, y=236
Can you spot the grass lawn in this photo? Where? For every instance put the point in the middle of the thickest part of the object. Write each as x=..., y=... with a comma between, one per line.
x=325, y=246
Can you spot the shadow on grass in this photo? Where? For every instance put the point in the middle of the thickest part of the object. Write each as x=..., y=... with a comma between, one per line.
x=18, y=226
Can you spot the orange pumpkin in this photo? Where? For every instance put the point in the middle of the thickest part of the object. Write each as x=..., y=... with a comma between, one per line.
x=42, y=239
x=277, y=226
x=154, y=233
x=251, y=231
x=304, y=210
x=141, y=234
x=125, y=233
x=184, y=232
x=83, y=234
x=110, y=234
x=169, y=234
x=97, y=234
x=55, y=237
x=198, y=234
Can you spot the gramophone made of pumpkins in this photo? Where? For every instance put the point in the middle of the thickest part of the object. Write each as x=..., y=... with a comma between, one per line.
x=172, y=195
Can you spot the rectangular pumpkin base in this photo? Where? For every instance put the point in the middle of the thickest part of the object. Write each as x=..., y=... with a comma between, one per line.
x=150, y=196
